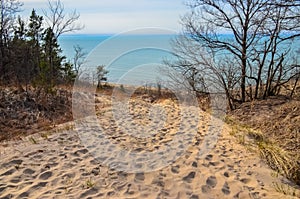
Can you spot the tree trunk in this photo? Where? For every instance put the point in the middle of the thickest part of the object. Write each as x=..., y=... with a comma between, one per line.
x=258, y=80
x=243, y=80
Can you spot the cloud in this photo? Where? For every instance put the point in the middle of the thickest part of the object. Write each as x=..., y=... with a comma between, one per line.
x=114, y=23
x=113, y=16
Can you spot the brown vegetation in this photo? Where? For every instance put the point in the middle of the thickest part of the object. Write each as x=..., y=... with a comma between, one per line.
x=273, y=124
x=27, y=112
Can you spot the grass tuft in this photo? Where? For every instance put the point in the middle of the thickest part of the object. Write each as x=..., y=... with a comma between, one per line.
x=88, y=184
x=32, y=140
x=280, y=160
x=286, y=189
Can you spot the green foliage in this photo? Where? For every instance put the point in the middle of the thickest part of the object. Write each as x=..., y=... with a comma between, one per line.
x=122, y=88
x=101, y=75
x=20, y=29
x=30, y=53
x=88, y=184
x=69, y=74
x=35, y=27
x=42, y=80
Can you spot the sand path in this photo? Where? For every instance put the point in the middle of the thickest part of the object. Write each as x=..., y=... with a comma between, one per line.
x=60, y=165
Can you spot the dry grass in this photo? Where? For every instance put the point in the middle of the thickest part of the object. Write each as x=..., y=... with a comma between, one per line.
x=284, y=162
x=26, y=112
x=286, y=189
x=278, y=121
x=274, y=153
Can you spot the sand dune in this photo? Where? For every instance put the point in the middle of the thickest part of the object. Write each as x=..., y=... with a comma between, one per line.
x=64, y=165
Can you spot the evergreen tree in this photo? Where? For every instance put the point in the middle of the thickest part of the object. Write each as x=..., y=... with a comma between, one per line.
x=52, y=61
x=29, y=50
x=35, y=34
x=20, y=51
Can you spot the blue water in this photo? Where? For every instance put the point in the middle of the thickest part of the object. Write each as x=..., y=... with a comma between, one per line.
x=126, y=57
x=87, y=42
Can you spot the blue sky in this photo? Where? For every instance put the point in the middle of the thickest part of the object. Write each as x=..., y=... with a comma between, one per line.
x=115, y=16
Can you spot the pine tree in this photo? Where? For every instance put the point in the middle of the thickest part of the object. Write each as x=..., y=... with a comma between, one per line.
x=35, y=34
x=52, y=61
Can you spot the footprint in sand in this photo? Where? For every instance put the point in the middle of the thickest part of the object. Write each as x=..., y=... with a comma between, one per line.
x=2, y=189
x=214, y=164
x=81, y=151
x=209, y=157
x=7, y=173
x=226, y=189
x=245, y=180
x=130, y=190
x=96, y=171
x=11, y=163
x=194, y=197
x=18, y=162
x=175, y=169
x=211, y=181
x=28, y=171
x=89, y=192
x=15, y=180
x=39, y=185
x=46, y=175
x=139, y=177
x=194, y=164
x=205, y=189
x=24, y=195
x=226, y=174
x=189, y=177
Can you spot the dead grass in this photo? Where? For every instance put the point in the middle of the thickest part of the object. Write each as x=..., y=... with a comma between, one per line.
x=283, y=162
x=271, y=127
x=286, y=189
x=26, y=112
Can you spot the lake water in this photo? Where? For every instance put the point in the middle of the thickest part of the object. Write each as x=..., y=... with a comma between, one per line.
x=127, y=57
x=137, y=58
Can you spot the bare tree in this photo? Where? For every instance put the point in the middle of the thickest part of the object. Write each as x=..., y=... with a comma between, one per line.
x=209, y=75
x=79, y=59
x=274, y=54
x=188, y=64
x=243, y=19
x=8, y=11
x=246, y=43
x=59, y=21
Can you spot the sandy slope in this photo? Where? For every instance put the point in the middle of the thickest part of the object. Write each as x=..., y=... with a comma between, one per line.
x=61, y=166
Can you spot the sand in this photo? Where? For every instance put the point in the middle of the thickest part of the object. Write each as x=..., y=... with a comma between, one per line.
x=61, y=164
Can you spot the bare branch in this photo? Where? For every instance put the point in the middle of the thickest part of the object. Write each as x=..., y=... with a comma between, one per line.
x=59, y=22
x=256, y=50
